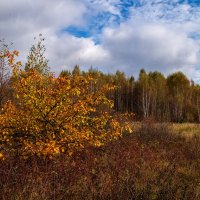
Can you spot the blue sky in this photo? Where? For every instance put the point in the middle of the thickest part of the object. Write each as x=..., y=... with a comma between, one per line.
x=110, y=35
x=98, y=22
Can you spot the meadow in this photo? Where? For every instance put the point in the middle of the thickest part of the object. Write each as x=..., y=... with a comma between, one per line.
x=156, y=161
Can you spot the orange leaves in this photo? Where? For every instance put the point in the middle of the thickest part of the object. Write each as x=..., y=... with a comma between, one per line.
x=7, y=61
x=16, y=53
x=57, y=115
x=10, y=56
x=2, y=157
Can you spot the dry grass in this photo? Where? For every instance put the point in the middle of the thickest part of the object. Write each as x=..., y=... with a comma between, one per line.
x=186, y=129
x=183, y=129
x=151, y=164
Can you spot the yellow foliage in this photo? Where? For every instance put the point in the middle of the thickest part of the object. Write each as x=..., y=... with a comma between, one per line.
x=1, y=156
x=54, y=115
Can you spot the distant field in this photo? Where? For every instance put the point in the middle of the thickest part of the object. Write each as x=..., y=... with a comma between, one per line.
x=186, y=129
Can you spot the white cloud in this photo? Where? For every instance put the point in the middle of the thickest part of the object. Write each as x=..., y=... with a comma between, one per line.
x=71, y=51
x=106, y=6
x=153, y=46
x=22, y=20
x=159, y=35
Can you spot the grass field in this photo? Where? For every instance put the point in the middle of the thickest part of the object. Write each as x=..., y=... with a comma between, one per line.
x=186, y=129
x=155, y=162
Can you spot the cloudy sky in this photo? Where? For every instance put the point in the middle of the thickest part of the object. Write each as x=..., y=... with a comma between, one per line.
x=109, y=35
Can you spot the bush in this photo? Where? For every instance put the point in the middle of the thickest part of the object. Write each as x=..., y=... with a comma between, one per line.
x=129, y=168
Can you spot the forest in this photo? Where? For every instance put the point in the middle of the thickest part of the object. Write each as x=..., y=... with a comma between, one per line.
x=174, y=98
x=92, y=135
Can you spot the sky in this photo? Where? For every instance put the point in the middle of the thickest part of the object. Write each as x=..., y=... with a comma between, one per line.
x=109, y=35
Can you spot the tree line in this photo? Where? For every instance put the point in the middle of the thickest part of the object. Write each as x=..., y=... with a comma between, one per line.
x=174, y=98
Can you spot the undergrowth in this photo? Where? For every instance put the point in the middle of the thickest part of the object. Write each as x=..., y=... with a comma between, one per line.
x=152, y=163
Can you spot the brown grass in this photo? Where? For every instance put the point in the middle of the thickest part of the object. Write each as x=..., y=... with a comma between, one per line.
x=186, y=129
x=152, y=163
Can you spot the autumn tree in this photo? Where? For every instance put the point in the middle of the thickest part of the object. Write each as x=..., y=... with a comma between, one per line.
x=64, y=73
x=158, y=92
x=36, y=58
x=143, y=85
x=119, y=82
x=5, y=90
x=196, y=100
x=179, y=86
x=56, y=114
